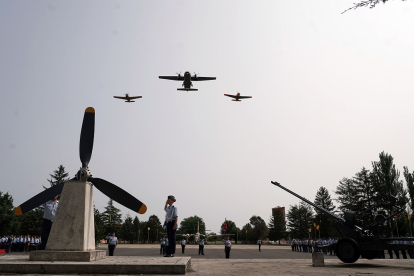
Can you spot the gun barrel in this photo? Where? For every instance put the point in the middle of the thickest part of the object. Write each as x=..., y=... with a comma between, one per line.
x=309, y=202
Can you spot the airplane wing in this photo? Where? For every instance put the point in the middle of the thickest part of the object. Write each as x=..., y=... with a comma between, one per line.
x=244, y=97
x=231, y=96
x=135, y=97
x=176, y=78
x=202, y=78
x=123, y=98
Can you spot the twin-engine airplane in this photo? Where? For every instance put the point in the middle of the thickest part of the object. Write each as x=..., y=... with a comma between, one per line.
x=187, y=78
x=128, y=98
x=237, y=97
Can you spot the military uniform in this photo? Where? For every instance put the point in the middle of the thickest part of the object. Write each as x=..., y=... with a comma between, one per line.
x=182, y=246
x=50, y=209
x=201, y=246
x=227, y=248
x=259, y=241
x=170, y=217
x=112, y=242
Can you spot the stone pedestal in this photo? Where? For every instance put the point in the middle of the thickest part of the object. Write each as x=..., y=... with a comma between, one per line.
x=318, y=259
x=73, y=229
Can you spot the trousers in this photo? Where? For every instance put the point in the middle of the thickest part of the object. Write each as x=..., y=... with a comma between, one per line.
x=171, y=238
x=46, y=226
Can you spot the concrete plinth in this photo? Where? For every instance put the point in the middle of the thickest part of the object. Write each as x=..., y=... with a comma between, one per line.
x=73, y=227
x=318, y=259
x=69, y=256
x=116, y=265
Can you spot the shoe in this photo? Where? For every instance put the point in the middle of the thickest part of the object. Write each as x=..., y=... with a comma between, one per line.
x=167, y=255
x=172, y=255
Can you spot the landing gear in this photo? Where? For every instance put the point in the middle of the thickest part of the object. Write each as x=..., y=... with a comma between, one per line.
x=347, y=250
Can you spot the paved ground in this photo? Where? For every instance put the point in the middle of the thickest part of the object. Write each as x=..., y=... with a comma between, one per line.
x=273, y=260
x=216, y=252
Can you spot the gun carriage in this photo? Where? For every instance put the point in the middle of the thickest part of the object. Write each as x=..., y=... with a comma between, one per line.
x=358, y=241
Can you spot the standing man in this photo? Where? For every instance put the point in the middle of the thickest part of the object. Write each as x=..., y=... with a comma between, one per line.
x=227, y=247
x=171, y=217
x=112, y=243
x=183, y=246
x=162, y=249
x=259, y=241
x=201, y=246
x=50, y=208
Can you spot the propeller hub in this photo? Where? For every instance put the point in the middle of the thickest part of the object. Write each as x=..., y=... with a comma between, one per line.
x=83, y=174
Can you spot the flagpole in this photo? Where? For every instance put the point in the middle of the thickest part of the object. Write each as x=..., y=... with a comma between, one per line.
x=396, y=225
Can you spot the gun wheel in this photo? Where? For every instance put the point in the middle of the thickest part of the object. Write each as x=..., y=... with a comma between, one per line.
x=347, y=250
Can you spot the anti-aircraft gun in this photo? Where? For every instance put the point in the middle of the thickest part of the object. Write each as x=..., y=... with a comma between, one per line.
x=356, y=240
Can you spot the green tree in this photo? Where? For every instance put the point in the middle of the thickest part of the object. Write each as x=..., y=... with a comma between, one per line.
x=7, y=216
x=365, y=194
x=259, y=227
x=189, y=225
x=323, y=199
x=409, y=179
x=299, y=220
x=136, y=228
x=386, y=182
x=127, y=230
x=347, y=194
x=155, y=226
x=277, y=226
x=112, y=217
x=58, y=176
x=247, y=234
x=30, y=223
x=99, y=226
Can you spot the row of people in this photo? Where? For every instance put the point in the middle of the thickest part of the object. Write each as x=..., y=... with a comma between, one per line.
x=308, y=245
x=20, y=243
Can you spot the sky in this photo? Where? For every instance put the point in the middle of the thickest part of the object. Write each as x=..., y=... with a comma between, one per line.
x=330, y=92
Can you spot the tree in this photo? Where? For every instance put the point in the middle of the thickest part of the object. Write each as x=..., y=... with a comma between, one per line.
x=99, y=226
x=30, y=223
x=247, y=233
x=299, y=220
x=155, y=226
x=365, y=194
x=136, y=228
x=367, y=3
x=347, y=194
x=7, y=216
x=127, y=230
x=277, y=226
x=259, y=227
x=112, y=217
x=189, y=225
x=58, y=176
x=323, y=199
x=231, y=229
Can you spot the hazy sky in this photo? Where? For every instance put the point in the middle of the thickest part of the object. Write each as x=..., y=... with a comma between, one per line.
x=330, y=92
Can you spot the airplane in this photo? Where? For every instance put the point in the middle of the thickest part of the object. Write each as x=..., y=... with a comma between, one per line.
x=187, y=78
x=128, y=98
x=237, y=97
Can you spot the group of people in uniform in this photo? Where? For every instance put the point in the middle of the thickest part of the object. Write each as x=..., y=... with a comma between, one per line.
x=403, y=252
x=19, y=243
x=308, y=245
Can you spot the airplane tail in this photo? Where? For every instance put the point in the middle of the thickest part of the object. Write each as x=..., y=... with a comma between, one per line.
x=187, y=89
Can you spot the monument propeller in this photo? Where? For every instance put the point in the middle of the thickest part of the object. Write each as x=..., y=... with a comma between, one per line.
x=85, y=152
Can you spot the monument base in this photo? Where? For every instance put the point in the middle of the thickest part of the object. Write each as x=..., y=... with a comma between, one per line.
x=318, y=259
x=67, y=256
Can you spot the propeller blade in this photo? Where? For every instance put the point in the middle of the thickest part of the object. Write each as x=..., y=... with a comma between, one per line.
x=39, y=199
x=119, y=195
x=86, y=137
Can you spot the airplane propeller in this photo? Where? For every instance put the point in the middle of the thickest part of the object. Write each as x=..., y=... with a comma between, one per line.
x=85, y=152
x=179, y=74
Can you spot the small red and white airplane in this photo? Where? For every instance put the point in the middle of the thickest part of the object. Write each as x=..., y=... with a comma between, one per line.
x=237, y=97
x=128, y=98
